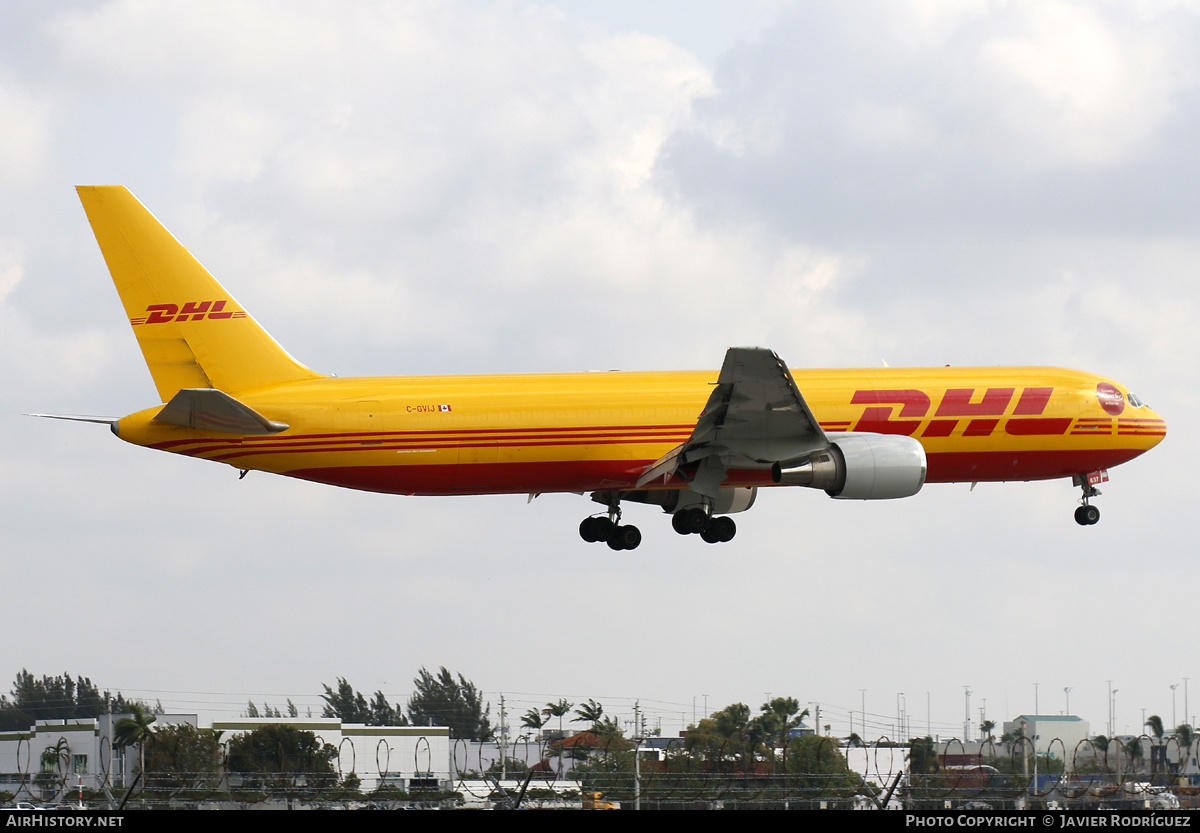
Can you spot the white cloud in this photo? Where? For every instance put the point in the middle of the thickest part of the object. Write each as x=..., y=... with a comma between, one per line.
x=1082, y=88
x=12, y=267
x=463, y=187
x=24, y=134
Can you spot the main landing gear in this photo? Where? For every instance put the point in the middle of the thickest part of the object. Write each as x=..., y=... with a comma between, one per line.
x=1086, y=515
x=696, y=521
x=609, y=529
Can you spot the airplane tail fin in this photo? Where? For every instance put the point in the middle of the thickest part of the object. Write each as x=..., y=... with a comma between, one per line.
x=193, y=334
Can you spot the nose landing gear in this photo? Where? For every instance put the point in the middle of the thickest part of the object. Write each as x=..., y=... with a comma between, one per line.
x=1086, y=515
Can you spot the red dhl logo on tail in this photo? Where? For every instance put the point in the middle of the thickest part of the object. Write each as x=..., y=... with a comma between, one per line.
x=985, y=414
x=192, y=311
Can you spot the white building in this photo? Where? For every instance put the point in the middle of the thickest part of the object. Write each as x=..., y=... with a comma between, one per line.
x=1058, y=735
x=406, y=757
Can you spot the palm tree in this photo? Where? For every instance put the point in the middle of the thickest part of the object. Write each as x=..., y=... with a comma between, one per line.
x=986, y=727
x=54, y=762
x=1134, y=750
x=135, y=730
x=558, y=710
x=1184, y=738
x=534, y=719
x=589, y=712
x=1156, y=731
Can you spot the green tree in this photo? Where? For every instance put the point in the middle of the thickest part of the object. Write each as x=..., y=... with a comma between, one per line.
x=443, y=701
x=558, y=709
x=815, y=765
x=282, y=760
x=384, y=713
x=346, y=704
x=54, y=698
x=1133, y=748
x=590, y=712
x=778, y=718
x=184, y=760
x=716, y=742
x=350, y=706
x=534, y=719
x=1184, y=737
x=922, y=756
x=1157, y=731
x=135, y=730
x=52, y=774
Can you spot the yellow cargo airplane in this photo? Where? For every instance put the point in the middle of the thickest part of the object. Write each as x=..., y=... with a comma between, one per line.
x=695, y=445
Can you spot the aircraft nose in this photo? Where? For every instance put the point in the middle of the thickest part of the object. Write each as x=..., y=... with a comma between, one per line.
x=1145, y=424
x=1157, y=426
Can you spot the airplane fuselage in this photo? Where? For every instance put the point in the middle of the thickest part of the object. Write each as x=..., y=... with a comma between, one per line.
x=583, y=432
x=697, y=443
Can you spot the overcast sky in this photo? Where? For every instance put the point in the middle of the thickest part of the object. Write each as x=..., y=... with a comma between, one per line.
x=463, y=187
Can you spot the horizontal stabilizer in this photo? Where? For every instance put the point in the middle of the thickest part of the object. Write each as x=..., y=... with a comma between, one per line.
x=74, y=418
x=208, y=409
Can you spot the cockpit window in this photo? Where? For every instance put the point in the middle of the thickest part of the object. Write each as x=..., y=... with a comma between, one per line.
x=1134, y=401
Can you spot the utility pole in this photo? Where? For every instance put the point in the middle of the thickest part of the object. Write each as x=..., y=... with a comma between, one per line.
x=503, y=741
x=637, y=743
x=1110, y=709
x=967, y=715
x=863, y=692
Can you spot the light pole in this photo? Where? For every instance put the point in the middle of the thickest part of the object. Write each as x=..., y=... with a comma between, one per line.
x=863, y=692
x=1110, y=708
x=1173, y=687
x=1067, y=691
x=967, y=721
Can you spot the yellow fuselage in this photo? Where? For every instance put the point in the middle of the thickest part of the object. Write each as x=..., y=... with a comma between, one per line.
x=583, y=432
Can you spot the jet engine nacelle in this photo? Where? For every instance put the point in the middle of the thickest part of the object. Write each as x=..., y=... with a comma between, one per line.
x=860, y=466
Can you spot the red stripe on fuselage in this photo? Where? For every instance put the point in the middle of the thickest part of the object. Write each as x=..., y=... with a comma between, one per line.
x=600, y=475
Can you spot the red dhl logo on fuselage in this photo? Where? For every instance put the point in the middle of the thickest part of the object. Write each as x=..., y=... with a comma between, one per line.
x=192, y=311
x=982, y=417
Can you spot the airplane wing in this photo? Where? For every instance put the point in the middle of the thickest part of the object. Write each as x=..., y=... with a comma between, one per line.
x=755, y=417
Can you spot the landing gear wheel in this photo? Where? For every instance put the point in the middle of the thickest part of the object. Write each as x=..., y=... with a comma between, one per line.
x=624, y=538
x=689, y=521
x=719, y=530
x=585, y=531
x=1087, y=515
x=595, y=529
x=724, y=529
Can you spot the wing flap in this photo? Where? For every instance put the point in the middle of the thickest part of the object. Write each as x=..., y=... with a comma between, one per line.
x=754, y=417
